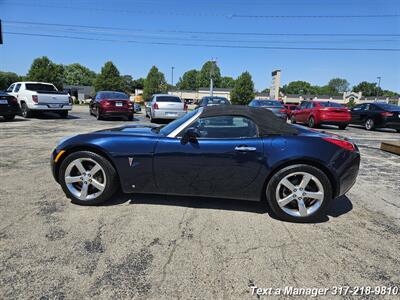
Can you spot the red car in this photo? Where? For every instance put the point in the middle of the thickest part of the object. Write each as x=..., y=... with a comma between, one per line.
x=290, y=108
x=314, y=113
x=111, y=104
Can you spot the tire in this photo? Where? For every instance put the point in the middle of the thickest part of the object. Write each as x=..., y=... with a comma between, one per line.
x=107, y=173
x=293, y=120
x=63, y=114
x=315, y=209
x=152, y=120
x=25, y=111
x=342, y=127
x=130, y=118
x=311, y=122
x=369, y=124
x=98, y=115
x=9, y=117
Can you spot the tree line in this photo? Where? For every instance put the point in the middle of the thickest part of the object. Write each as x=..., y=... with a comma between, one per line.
x=109, y=78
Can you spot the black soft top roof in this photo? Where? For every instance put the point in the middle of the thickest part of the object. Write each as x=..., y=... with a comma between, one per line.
x=267, y=122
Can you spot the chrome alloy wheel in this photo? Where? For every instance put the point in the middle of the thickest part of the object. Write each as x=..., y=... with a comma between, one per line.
x=300, y=194
x=369, y=124
x=85, y=178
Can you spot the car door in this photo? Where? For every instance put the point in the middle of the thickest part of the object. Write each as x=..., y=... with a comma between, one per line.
x=356, y=112
x=224, y=159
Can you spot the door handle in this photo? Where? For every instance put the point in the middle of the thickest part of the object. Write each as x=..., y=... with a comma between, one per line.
x=245, y=148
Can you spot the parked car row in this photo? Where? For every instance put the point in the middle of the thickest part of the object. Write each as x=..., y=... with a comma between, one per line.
x=370, y=115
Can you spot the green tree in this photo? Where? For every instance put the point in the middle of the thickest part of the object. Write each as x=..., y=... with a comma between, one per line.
x=76, y=74
x=227, y=82
x=155, y=83
x=204, y=76
x=297, y=87
x=43, y=69
x=188, y=81
x=351, y=103
x=243, y=92
x=8, y=78
x=265, y=91
x=388, y=93
x=323, y=90
x=339, y=85
x=368, y=89
x=109, y=79
x=128, y=84
x=139, y=83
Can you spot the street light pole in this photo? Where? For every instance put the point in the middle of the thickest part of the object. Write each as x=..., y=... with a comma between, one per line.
x=172, y=76
x=213, y=61
x=379, y=85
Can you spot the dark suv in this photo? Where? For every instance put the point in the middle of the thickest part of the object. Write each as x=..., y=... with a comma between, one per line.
x=211, y=101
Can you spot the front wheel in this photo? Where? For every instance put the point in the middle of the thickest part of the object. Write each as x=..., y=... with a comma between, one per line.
x=88, y=178
x=342, y=127
x=299, y=193
x=130, y=118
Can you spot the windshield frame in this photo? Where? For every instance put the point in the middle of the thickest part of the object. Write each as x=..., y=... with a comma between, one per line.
x=175, y=127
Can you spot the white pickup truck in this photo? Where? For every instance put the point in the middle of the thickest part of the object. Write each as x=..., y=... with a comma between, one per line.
x=40, y=97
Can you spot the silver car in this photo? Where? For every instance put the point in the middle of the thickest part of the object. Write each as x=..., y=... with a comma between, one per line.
x=273, y=105
x=165, y=107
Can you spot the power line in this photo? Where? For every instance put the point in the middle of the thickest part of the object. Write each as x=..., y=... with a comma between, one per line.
x=207, y=45
x=200, y=14
x=205, y=32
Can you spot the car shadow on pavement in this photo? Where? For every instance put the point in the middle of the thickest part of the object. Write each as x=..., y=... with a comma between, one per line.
x=336, y=208
x=51, y=116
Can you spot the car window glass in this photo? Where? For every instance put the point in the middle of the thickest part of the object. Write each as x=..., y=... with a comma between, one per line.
x=10, y=89
x=40, y=87
x=225, y=127
x=168, y=99
x=303, y=105
x=366, y=107
x=358, y=108
x=17, y=87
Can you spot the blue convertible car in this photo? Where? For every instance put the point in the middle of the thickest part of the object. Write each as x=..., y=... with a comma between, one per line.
x=233, y=151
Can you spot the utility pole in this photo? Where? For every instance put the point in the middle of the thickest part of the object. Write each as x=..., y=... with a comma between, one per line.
x=379, y=85
x=172, y=76
x=213, y=62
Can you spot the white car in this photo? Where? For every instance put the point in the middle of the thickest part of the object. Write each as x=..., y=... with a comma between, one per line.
x=164, y=106
x=40, y=97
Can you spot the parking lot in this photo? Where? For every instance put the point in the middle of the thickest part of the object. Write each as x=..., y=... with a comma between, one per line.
x=176, y=247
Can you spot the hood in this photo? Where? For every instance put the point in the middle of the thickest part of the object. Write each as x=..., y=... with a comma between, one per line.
x=136, y=130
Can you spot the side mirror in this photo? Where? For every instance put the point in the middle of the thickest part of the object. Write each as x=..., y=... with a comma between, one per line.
x=191, y=134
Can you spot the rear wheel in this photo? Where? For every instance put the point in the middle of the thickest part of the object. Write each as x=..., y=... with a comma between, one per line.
x=26, y=112
x=299, y=193
x=88, y=178
x=9, y=117
x=311, y=122
x=130, y=118
x=369, y=124
x=342, y=127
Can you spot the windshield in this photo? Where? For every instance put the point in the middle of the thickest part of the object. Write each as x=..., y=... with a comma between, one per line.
x=217, y=101
x=175, y=124
x=113, y=95
x=270, y=103
x=40, y=87
x=168, y=99
x=330, y=104
x=389, y=107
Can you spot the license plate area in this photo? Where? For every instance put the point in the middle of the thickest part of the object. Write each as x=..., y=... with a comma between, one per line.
x=54, y=105
x=171, y=114
x=119, y=104
x=3, y=101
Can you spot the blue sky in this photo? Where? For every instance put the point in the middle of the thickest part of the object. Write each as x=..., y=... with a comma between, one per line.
x=134, y=25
